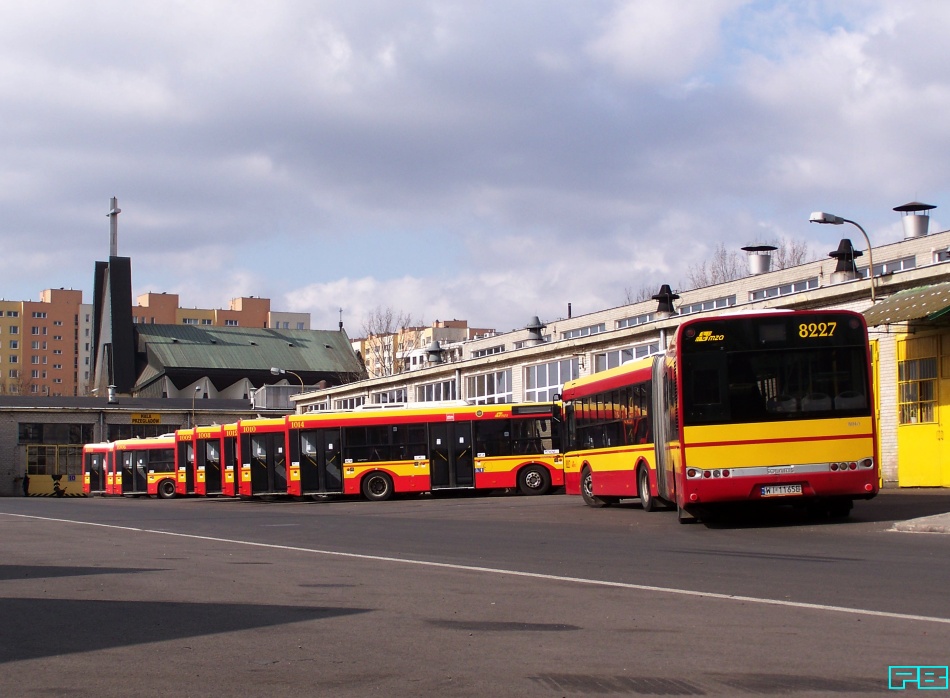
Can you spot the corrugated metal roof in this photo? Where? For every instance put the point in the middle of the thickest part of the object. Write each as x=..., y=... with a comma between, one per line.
x=176, y=347
x=926, y=302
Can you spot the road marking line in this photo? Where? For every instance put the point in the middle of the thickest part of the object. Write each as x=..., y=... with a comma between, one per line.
x=511, y=573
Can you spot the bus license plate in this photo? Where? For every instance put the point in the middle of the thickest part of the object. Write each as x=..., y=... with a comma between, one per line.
x=780, y=490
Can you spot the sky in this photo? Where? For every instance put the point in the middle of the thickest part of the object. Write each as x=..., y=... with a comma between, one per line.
x=487, y=161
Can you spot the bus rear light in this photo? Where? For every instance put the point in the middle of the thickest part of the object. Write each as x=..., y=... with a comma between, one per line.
x=707, y=473
x=834, y=466
x=725, y=473
x=692, y=473
x=852, y=466
x=868, y=487
x=867, y=463
x=694, y=497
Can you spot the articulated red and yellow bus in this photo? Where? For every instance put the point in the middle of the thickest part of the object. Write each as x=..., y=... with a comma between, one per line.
x=132, y=467
x=379, y=452
x=97, y=467
x=771, y=406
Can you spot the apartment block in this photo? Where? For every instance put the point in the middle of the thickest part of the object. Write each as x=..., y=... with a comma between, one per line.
x=250, y=311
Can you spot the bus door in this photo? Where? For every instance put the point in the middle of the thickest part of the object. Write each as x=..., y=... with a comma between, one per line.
x=185, y=478
x=208, y=460
x=139, y=468
x=450, y=455
x=664, y=428
x=231, y=469
x=268, y=463
x=94, y=467
x=321, y=463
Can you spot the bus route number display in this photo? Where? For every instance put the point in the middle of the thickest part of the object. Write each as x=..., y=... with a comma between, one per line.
x=810, y=330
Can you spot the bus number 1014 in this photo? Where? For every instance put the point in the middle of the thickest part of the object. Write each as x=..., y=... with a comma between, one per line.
x=817, y=329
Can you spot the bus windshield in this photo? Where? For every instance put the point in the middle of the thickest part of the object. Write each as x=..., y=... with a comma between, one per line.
x=750, y=383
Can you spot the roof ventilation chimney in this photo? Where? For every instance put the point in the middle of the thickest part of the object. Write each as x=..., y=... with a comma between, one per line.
x=760, y=258
x=664, y=302
x=916, y=222
x=846, y=269
x=434, y=353
x=534, y=328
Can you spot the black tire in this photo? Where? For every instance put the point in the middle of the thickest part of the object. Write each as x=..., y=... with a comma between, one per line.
x=166, y=489
x=377, y=486
x=647, y=500
x=534, y=479
x=590, y=499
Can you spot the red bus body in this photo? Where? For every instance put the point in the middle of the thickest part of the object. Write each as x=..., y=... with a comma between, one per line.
x=379, y=452
x=772, y=406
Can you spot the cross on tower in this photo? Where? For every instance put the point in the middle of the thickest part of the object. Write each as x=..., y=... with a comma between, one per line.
x=113, y=216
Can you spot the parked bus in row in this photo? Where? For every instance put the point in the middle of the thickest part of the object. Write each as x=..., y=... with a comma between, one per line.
x=380, y=452
x=133, y=467
x=771, y=406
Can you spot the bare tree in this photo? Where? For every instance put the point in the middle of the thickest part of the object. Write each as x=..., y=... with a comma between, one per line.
x=790, y=253
x=729, y=265
x=725, y=265
x=631, y=295
x=389, y=334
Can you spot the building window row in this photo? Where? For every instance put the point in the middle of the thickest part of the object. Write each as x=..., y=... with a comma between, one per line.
x=488, y=351
x=389, y=396
x=784, y=289
x=584, y=331
x=435, y=392
x=349, y=403
x=544, y=381
x=612, y=359
x=636, y=320
x=713, y=304
x=490, y=388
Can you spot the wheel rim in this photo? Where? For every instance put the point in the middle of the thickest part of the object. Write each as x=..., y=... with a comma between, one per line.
x=378, y=486
x=533, y=479
x=587, y=483
x=644, y=487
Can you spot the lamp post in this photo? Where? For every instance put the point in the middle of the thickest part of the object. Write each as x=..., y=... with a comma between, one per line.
x=831, y=219
x=279, y=371
x=193, y=396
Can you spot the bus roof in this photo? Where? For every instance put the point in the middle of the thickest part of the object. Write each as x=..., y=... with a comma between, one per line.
x=609, y=379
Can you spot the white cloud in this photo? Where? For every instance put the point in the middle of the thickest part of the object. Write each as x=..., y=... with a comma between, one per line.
x=487, y=161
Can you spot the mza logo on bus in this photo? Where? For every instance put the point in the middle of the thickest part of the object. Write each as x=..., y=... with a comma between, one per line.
x=708, y=336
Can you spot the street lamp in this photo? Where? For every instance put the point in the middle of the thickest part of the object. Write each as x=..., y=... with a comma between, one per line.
x=830, y=218
x=279, y=371
x=193, y=396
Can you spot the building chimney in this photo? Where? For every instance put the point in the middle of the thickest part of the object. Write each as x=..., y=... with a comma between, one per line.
x=434, y=353
x=846, y=269
x=664, y=302
x=760, y=258
x=916, y=222
x=534, y=328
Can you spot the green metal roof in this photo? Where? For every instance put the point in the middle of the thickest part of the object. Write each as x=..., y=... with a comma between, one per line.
x=190, y=349
x=926, y=302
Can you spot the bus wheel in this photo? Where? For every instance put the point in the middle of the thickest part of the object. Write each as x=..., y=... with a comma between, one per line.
x=587, y=491
x=166, y=489
x=647, y=500
x=377, y=486
x=534, y=479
